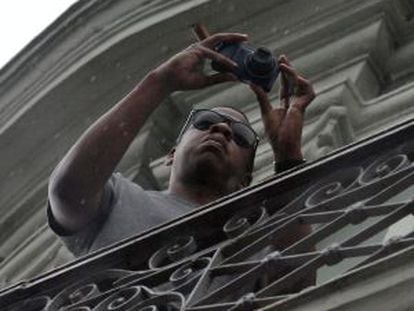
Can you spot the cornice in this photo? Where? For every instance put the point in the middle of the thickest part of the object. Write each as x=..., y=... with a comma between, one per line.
x=75, y=52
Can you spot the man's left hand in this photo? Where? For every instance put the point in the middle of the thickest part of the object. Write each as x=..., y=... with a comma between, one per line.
x=283, y=125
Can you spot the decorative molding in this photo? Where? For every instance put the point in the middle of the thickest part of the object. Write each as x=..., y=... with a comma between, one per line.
x=358, y=54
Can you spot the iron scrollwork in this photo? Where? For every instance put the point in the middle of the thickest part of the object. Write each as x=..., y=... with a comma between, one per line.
x=243, y=268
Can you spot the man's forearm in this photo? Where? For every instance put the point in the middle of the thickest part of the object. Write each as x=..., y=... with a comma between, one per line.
x=80, y=177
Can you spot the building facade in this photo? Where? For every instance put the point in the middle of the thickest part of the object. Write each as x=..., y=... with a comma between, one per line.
x=358, y=54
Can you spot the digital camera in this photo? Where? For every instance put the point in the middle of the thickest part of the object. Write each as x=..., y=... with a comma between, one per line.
x=257, y=66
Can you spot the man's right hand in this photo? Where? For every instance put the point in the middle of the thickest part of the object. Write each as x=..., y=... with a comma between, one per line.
x=184, y=71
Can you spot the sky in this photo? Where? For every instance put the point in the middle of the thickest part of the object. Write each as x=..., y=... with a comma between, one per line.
x=22, y=20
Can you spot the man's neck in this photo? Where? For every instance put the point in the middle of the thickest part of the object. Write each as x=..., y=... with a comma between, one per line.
x=197, y=194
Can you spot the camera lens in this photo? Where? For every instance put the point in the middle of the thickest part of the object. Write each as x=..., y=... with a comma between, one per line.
x=261, y=61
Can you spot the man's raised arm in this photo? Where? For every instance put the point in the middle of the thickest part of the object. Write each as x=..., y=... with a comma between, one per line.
x=77, y=184
x=283, y=126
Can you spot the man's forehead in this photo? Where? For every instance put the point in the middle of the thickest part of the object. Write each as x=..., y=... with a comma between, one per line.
x=231, y=113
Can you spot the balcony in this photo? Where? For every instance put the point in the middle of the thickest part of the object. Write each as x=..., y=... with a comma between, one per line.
x=357, y=198
x=224, y=256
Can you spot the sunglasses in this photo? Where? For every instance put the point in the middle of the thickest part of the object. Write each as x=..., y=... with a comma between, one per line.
x=202, y=119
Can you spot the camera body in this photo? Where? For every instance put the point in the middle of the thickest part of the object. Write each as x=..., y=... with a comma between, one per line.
x=257, y=66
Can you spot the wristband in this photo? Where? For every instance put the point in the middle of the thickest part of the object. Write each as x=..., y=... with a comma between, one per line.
x=287, y=165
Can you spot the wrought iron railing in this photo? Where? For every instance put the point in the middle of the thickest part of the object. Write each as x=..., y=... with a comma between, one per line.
x=225, y=256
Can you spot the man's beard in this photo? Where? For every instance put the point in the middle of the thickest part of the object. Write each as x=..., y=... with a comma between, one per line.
x=207, y=173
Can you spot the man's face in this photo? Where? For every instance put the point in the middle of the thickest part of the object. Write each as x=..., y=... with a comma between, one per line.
x=213, y=152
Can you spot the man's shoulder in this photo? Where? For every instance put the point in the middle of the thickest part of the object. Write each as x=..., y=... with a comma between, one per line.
x=119, y=182
x=133, y=193
x=128, y=189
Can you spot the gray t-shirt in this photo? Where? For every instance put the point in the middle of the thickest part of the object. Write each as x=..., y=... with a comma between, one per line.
x=126, y=210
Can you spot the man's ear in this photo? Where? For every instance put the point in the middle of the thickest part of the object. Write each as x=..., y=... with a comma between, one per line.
x=169, y=159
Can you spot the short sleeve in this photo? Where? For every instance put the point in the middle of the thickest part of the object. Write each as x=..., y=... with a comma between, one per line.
x=80, y=241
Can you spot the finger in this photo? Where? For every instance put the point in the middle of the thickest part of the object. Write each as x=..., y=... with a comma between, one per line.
x=306, y=94
x=285, y=90
x=288, y=70
x=264, y=103
x=286, y=82
x=215, y=39
x=220, y=78
x=283, y=59
x=213, y=55
x=305, y=88
x=291, y=79
x=200, y=32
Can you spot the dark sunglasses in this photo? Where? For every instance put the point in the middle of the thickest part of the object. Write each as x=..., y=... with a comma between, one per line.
x=243, y=135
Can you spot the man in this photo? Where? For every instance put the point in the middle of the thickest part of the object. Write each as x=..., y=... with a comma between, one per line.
x=90, y=207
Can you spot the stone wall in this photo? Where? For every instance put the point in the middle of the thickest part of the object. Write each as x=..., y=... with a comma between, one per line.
x=358, y=54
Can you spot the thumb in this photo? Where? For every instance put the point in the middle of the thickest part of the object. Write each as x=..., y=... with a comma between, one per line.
x=220, y=78
x=264, y=103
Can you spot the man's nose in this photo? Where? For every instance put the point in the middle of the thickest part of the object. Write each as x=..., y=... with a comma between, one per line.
x=223, y=128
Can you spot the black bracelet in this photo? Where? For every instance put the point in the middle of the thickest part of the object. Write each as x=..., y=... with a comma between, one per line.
x=287, y=165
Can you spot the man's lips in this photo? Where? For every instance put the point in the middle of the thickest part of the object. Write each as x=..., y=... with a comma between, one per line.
x=216, y=142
